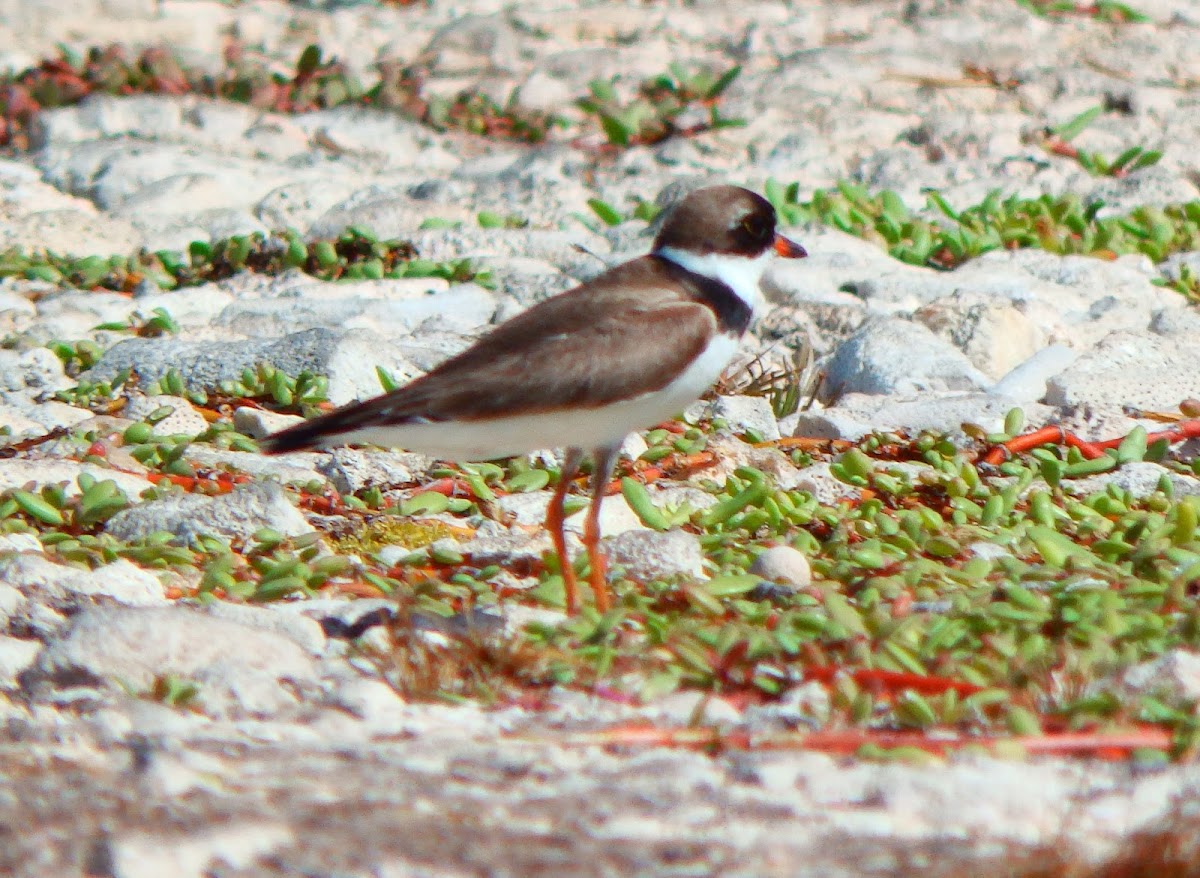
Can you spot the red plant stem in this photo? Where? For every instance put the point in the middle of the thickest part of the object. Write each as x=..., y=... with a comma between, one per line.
x=893, y=680
x=448, y=486
x=1181, y=432
x=1045, y=436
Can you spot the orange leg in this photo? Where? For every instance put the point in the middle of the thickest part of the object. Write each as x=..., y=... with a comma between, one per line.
x=605, y=461
x=554, y=523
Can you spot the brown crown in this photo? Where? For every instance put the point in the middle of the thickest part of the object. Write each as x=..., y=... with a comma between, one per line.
x=720, y=219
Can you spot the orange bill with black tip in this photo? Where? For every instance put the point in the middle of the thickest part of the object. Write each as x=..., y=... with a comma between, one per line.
x=789, y=249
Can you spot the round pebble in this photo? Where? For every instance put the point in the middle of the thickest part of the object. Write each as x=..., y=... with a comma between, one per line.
x=783, y=565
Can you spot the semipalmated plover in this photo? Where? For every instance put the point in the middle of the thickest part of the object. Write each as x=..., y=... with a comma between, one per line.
x=583, y=369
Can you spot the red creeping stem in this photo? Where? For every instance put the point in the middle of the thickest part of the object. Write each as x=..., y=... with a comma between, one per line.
x=1091, y=450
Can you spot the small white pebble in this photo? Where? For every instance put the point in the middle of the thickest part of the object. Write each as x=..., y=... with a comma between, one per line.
x=259, y=423
x=783, y=564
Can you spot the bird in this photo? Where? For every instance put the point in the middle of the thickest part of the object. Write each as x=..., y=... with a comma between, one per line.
x=581, y=370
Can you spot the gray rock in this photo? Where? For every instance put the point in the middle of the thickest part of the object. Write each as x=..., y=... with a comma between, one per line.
x=461, y=308
x=647, y=554
x=347, y=357
x=238, y=670
x=890, y=355
x=233, y=516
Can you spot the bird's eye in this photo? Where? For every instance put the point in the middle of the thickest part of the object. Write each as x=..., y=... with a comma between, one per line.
x=754, y=226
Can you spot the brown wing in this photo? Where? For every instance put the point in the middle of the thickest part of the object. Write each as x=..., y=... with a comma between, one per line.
x=596, y=344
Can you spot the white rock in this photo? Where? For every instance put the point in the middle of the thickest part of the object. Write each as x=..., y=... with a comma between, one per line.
x=18, y=542
x=473, y=44
x=30, y=374
x=742, y=413
x=732, y=453
x=351, y=470
x=511, y=550
x=1133, y=369
x=148, y=855
x=258, y=423
x=196, y=310
x=856, y=415
x=1177, y=672
x=615, y=518
x=1154, y=186
x=784, y=565
x=184, y=420
x=1026, y=382
x=376, y=703
x=633, y=446
x=993, y=334
x=33, y=474
x=11, y=602
x=239, y=670
x=1140, y=478
x=828, y=490
x=648, y=554
x=15, y=656
x=121, y=581
x=295, y=468
x=304, y=631
x=16, y=419
x=690, y=707
x=808, y=704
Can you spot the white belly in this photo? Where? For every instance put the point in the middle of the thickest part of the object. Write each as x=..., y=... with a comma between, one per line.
x=566, y=428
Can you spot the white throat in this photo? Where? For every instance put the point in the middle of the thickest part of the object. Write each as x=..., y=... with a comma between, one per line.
x=740, y=273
